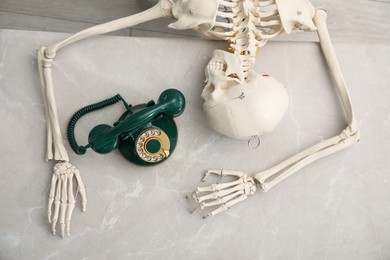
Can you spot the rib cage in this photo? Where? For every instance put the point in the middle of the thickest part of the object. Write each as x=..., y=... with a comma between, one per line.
x=246, y=25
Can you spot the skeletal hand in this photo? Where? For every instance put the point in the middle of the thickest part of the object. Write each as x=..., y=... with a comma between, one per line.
x=223, y=195
x=61, y=193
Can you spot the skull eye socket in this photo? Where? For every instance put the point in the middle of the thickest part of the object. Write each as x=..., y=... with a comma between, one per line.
x=211, y=88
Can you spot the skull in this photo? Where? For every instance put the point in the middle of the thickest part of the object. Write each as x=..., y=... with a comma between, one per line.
x=241, y=107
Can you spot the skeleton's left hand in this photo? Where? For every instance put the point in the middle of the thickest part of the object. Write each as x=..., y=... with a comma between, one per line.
x=226, y=194
x=61, y=193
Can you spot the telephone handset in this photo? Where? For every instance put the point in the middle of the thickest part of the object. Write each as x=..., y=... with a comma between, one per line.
x=145, y=134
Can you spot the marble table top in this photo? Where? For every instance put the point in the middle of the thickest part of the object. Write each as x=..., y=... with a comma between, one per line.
x=335, y=208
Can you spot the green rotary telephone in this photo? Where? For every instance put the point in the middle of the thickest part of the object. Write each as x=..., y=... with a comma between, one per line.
x=145, y=134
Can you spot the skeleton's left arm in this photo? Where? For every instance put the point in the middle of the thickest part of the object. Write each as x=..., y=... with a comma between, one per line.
x=61, y=192
x=216, y=195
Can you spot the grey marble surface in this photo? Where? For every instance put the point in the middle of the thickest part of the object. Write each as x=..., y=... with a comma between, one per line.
x=336, y=208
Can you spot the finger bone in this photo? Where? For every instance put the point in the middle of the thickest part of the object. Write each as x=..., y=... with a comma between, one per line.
x=220, y=194
x=64, y=203
x=71, y=203
x=81, y=188
x=56, y=206
x=51, y=195
x=222, y=200
x=226, y=206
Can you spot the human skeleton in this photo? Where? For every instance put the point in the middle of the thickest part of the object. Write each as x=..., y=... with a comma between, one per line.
x=232, y=89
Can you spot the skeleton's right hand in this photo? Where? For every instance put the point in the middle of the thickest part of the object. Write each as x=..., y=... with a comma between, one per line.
x=223, y=195
x=61, y=193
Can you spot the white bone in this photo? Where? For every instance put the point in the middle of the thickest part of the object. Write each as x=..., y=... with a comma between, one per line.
x=45, y=58
x=221, y=192
x=71, y=203
x=54, y=137
x=198, y=14
x=273, y=176
x=231, y=86
x=61, y=192
x=54, y=179
x=226, y=206
x=221, y=200
x=64, y=202
x=218, y=186
x=346, y=138
x=81, y=188
x=55, y=147
x=56, y=205
x=295, y=14
x=223, y=195
x=222, y=173
x=229, y=95
x=162, y=9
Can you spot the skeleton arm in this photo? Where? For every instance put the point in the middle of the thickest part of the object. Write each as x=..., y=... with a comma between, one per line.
x=271, y=177
x=347, y=137
x=61, y=192
x=45, y=59
x=162, y=9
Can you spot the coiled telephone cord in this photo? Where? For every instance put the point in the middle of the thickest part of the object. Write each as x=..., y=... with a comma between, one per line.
x=85, y=110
